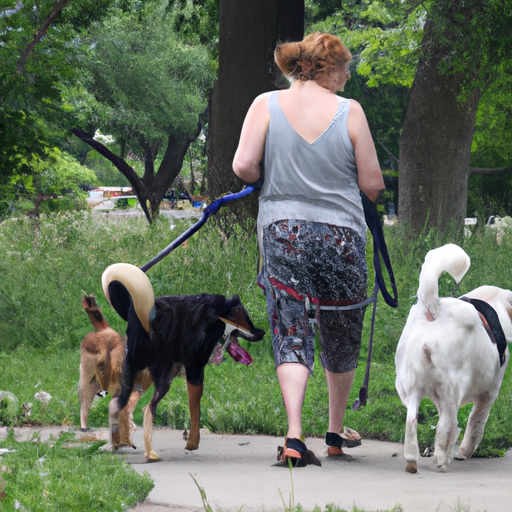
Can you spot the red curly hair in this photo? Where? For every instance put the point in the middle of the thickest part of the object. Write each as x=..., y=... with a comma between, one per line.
x=313, y=58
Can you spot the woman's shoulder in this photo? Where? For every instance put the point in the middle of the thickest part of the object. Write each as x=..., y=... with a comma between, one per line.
x=354, y=105
x=264, y=97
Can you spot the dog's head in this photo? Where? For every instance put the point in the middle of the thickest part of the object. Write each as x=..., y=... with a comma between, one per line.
x=238, y=323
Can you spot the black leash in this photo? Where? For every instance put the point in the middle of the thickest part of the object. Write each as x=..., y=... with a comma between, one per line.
x=379, y=250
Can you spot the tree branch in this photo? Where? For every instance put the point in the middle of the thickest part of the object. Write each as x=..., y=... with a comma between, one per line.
x=121, y=165
x=57, y=8
x=392, y=157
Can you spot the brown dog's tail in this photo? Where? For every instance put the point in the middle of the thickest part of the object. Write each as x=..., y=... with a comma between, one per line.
x=96, y=317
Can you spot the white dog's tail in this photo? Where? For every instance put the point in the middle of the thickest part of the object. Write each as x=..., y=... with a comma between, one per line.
x=448, y=258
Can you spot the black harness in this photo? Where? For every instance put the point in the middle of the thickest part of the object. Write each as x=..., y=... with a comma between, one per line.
x=495, y=330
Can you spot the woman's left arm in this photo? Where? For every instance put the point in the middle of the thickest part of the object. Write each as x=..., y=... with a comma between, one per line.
x=246, y=163
x=370, y=178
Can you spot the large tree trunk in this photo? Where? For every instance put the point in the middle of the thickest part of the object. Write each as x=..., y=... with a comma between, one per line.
x=249, y=32
x=435, y=144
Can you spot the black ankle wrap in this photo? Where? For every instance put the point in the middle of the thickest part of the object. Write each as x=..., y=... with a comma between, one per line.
x=332, y=439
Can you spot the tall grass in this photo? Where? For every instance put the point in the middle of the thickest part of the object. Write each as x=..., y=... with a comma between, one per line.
x=48, y=263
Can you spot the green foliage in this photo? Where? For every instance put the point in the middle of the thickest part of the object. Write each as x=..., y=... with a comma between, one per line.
x=145, y=113
x=492, y=141
x=489, y=195
x=474, y=38
x=9, y=408
x=198, y=20
x=30, y=92
x=62, y=474
x=59, y=172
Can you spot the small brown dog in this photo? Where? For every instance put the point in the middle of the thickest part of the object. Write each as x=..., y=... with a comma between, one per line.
x=101, y=365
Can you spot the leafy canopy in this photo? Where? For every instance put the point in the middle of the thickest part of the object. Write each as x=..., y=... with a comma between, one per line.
x=147, y=84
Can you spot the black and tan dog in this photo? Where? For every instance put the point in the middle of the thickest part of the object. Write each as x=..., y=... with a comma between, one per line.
x=101, y=362
x=166, y=334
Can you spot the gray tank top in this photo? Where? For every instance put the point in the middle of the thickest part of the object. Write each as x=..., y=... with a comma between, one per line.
x=316, y=182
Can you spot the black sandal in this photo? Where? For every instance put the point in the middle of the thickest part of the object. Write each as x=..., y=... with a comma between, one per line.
x=295, y=452
x=348, y=438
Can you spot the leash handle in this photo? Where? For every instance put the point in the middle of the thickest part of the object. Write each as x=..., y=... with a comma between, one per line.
x=379, y=247
x=210, y=210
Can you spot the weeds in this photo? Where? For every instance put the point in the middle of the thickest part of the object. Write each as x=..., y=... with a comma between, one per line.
x=48, y=263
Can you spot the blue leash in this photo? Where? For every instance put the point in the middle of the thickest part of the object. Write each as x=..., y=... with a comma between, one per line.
x=207, y=213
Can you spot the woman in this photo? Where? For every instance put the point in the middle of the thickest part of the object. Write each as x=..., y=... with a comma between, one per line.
x=317, y=153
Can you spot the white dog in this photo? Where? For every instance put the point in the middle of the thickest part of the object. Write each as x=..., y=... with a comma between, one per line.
x=451, y=354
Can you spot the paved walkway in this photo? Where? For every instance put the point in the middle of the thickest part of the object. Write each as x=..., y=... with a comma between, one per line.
x=237, y=473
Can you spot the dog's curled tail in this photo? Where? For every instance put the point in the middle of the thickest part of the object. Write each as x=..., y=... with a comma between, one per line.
x=96, y=317
x=125, y=285
x=447, y=258
x=130, y=293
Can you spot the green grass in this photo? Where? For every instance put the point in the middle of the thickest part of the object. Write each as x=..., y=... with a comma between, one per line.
x=48, y=263
x=62, y=475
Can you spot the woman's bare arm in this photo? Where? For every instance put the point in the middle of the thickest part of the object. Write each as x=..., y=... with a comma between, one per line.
x=370, y=178
x=246, y=163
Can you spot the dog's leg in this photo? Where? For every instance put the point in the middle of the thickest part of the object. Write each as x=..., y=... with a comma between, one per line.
x=87, y=389
x=411, y=449
x=162, y=384
x=125, y=428
x=475, y=429
x=113, y=420
x=126, y=425
x=148, y=434
x=194, y=404
x=447, y=431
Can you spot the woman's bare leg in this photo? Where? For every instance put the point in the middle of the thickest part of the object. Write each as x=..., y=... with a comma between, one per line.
x=293, y=379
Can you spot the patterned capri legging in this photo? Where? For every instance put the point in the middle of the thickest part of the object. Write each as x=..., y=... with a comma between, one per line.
x=320, y=261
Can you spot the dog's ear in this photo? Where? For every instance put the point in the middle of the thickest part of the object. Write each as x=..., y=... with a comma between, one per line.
x=234, y=301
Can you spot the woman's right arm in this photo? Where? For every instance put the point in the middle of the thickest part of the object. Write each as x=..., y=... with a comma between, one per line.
x=370, y=178
x=246, y=163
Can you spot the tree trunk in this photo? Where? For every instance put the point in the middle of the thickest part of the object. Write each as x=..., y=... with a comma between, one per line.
x=249, y=32
x=435, y=144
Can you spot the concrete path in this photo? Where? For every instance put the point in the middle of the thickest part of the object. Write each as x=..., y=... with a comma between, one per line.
x=238, y=473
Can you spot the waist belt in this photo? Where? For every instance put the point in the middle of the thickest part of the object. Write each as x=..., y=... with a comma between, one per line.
x=312, y=303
